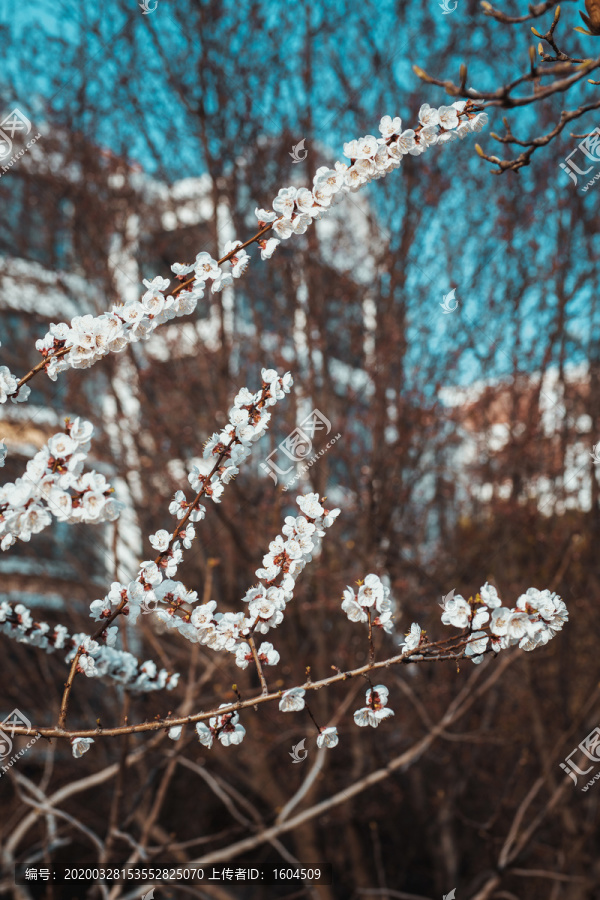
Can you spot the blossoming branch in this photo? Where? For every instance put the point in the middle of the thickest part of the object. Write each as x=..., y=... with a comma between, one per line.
x=88, y=338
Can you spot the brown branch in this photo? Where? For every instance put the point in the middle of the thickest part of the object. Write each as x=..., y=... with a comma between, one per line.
x=549, y=38
x=535, y=143
x=41, y=365
x=69, y=790
x=69, y=683
x=535, y=11
x=263, y=682
x=159, y=724
x=502, y=97
x=554, y=876
x=371, y=645
x=459, y=706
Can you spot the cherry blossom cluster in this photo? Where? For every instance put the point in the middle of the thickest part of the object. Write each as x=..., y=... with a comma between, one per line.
x=9, y=387
x=54, y=482
x=88, y=338
x=226, y=450
x=206, y=269
x=225, y=727
x=288, y=555
x=370, y=158
x=17, y=622
x=372, y=596
x=535, y=620
x=537, y=617
x=99, y=658
x=248, y=420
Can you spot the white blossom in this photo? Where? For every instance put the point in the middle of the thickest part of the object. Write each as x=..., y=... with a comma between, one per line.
x=243, y=655
x=489, y=595
x=480, y=618
x=268, y=247
x=389, y=126
x=264, y=215
x=428, y=116
x=292, y=700
x=27, y=504
x=226, y=727
x=221, y=280
x=177, y=507
x=310, y=506
x=160, y=541
x=206, y=267
x=284, y=202
x=267, y=654
x=413, y=638
x=479, y=122
x=8, y=383
x=328, y=738
x=326, y=183
x=376, y=710
x=448, y=117
x=283, y=228
x=81, y=745
x=457, y=612
x=476, y=645
x=371, y=591
x=205, y=734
